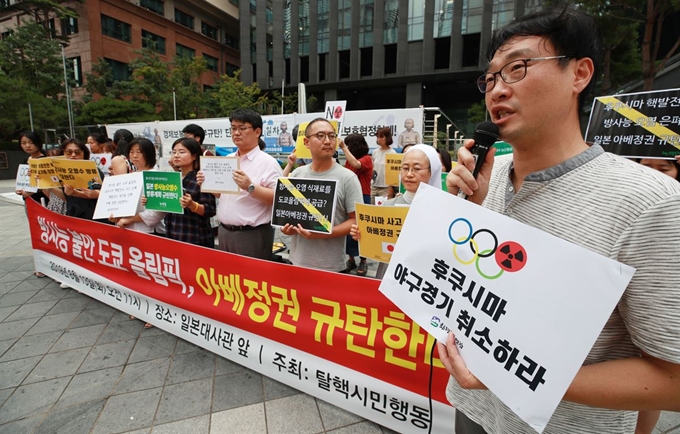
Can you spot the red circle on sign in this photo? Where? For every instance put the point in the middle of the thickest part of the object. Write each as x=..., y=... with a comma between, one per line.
x=103, y=161
x=337, y=114
x=390, y=248
x=511, y=256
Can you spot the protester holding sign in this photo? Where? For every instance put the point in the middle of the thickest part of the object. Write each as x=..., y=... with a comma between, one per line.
x=57, y=201
x=32, y=144
x=358, y=161
x=193, y=226
x=142, y=157
x=312, y=249
x=383, y=138
x=541, y=68
x=420, y=164
x=80, y=202
x=245, y=217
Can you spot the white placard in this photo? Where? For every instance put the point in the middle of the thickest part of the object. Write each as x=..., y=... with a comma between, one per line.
x=335, y=111
x=103, y=162
x=23, y=180
x=500, y=282
x=119, y=196
x=218, y=173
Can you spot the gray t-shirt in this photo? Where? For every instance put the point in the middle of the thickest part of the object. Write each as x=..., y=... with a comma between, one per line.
x=623, y=211
x=327, y=254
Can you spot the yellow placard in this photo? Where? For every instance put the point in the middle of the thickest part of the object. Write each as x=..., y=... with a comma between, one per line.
x=379, y=227
x=393, y=168
x=43, y=174
x=77, y=173
x=301, y=151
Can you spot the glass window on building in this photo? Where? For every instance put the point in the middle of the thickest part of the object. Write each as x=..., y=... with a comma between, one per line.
x=184, y=51
x=253, y=39
x=366, y=23
x=230, y=69
x=344, y=24
x=153, y=41
x=322, y=26
x=153, y=5
x=209, y=31
x=472, y=16
x=116, y=29
x=77, y=71
x=69, y=26
x=212, y=63
x=503, y=12
x=269, y=18
x=443, y=14
x=391, y=25
x=231, y=41
x=416, y=20
x=287, y=29
x=303, y=29
x=120, y=71
x=184, y=19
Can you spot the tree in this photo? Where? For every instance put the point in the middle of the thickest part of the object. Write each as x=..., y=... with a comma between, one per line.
x=477, y=112
x=620, y=22
x=290, y=103
x=110, y=110
x=30, y=58
x=229, y=94
x=42, y=11
x=47, y=113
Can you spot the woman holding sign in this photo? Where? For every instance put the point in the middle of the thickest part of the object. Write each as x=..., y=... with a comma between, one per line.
x=193, y=226
x=420, y=164
x=80, y=202
x=358, y=161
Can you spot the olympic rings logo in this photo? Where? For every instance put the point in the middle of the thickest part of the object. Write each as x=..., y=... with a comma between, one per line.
x=510, y=256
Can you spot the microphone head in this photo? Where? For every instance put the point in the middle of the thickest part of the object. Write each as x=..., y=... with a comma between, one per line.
x=486, y=134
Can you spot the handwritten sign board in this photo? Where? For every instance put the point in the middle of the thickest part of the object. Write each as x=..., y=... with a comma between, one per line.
x=119, y=196
x=218, y=173
x=163, y=191
x=308, y=202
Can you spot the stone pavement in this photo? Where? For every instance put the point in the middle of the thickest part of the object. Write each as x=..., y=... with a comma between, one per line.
x=70, y=364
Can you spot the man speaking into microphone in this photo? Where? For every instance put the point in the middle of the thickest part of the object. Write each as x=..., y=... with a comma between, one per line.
x=541, y=67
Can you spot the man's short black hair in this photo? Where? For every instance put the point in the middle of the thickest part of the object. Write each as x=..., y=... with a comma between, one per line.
x=197, y=131
x=247, y=116
x=569, y=30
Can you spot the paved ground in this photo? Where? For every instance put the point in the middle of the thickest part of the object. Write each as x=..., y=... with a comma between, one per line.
x=70, y=364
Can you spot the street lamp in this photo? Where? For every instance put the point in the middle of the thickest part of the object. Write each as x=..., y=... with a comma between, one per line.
x=68, y=93
x=434, y=133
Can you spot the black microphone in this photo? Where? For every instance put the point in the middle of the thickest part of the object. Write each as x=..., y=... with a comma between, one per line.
x=486, y=134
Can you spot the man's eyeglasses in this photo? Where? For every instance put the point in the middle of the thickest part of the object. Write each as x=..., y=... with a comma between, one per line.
x=242, y=129
x=75, y=152
x=510, y=73
x=416, y=169
x=322, y=136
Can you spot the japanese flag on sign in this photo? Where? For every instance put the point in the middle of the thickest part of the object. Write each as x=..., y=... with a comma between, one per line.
x=388, y=247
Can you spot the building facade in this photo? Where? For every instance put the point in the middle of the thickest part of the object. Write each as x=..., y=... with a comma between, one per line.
x=113, y=29
x=373, y=53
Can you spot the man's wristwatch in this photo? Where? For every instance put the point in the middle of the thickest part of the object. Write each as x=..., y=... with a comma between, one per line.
x=251, y=188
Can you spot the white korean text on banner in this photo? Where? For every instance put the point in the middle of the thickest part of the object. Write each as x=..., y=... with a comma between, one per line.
x=519, y=301
x=637, y=125
x=348, y=344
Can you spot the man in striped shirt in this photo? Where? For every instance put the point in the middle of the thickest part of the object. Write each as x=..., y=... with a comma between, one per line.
x=541, y=68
